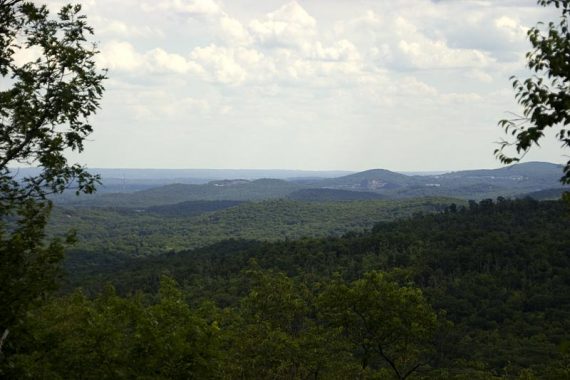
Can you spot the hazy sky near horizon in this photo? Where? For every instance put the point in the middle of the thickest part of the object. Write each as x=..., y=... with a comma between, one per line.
x=308, y=84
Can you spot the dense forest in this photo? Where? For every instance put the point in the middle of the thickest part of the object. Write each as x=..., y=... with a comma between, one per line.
x=158, y=229
x=478, y=292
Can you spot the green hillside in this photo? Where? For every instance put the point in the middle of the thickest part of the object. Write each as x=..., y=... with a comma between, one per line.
x=468, y=184
x=324, y=195
x=498, y=272
x=547, y=194
x=140, y=232
x=473, y=184
x=376, y=179
x=189, y=208
x=235, y=190
x=531, y=170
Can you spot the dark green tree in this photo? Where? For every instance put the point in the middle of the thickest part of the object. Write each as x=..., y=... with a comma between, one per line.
x=45, y=104
x=268, y=335
x=113, y=337
x=545, y=97
x=389, y=328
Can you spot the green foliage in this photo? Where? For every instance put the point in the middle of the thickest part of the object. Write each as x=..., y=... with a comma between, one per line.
x=545, y=97
x=148, y=232
x=274, y=332
x=111, y=337
x=382, y=321
x=44, y=110
x=29, y=268
x=235, y=190
x=499, y=271
x=272, y=335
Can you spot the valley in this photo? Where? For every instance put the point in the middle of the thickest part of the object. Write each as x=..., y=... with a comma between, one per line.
x=185, y=216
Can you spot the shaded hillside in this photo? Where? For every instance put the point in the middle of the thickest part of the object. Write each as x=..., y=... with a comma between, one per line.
x=472, y=191
x=469, y=184
x=473, y=184
x=499, y=271
x=236, y=190
x=528, y=170
x=548, y=194
x=324, y=195
x=535, y=175
x=370, y=180
x=191, y=208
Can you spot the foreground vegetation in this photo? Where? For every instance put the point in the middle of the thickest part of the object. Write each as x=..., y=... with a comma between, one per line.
x=478, y=293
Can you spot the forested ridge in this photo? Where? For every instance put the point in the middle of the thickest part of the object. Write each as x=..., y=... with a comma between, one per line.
x=488, y=287
x=158, y=229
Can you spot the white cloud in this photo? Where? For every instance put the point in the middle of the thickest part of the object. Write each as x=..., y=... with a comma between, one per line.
x=233, y=31
x=480, y=75
x=342, y=50
x=288, y=26
x=161, y=61
x=120, y=55
x=224, y=65
x=161, y=106
x=419, y=51
x=187, y=7
x=466, y=98
x=511, y=27
x=411, y=86
x=121, y=29
x=22, y=56
x=352, y=76
x=423, y=53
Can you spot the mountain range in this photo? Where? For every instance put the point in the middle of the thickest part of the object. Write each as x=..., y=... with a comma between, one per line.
x=512, y=181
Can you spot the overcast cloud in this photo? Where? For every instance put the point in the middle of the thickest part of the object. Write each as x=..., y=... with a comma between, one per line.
x=315, y=84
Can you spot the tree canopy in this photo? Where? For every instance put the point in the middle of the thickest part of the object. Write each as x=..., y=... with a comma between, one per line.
x=545, y=96
x=51, y=86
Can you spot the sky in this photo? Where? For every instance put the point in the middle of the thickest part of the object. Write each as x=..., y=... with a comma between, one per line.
x=310, y=84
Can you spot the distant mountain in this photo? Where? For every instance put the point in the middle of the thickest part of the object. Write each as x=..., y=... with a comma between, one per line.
x=235, y=190
x=534, y=170
x=467, y=184
x=458, y=190
x=370, y=180
x=128, y=180
x=545, y=195
x=508, y=181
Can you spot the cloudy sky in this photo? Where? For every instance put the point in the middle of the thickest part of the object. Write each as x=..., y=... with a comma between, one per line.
x=307, y=84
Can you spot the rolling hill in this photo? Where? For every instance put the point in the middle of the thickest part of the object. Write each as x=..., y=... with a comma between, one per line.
x=370, y=180
x=323, y=195
x=509, y=181
x=468, y=184
x=156, y=230
x=235, y=190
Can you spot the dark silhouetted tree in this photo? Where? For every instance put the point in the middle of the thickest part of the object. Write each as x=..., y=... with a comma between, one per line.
x=545, y=97
x=45, y=104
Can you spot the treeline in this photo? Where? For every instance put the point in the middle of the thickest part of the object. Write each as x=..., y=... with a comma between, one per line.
x=281, y=329
x=478, y=292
